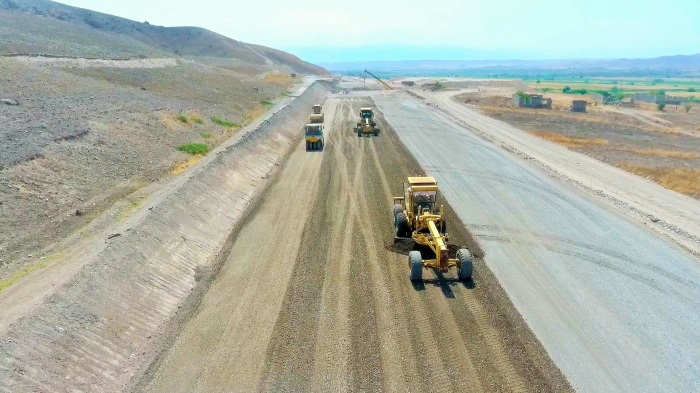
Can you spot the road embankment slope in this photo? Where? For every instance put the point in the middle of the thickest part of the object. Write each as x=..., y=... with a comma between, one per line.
x=102, y=326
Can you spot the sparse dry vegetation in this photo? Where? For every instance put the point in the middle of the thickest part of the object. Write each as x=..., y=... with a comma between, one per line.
x=20, y=273
x=196, y=119
x=661, y=153
x=183, y=119
x=627, y=138
x=683, y=180
x=257, y=111
x=279, y=78
x=568, y=141
x=181, y=167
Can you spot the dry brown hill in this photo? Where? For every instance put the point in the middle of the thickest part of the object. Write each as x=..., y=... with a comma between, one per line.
x=182, y=41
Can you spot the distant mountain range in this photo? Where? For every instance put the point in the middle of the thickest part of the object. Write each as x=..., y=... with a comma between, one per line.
x=182, y=41
x=674, y=63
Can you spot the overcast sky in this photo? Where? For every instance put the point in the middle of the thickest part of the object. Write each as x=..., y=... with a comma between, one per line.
x=321, y=31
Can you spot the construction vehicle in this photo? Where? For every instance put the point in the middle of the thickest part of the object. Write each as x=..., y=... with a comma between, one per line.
x=367, y=125
x=317, y=116
x=380, y=81
x=314, y=137
x=417, y=215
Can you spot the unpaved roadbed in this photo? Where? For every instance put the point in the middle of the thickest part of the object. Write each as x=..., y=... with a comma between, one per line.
x=608, y=299
x=312, y=297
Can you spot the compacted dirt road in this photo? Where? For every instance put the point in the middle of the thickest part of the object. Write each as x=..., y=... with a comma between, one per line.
x=315, y=296
x=675, y=215
x=615, y=305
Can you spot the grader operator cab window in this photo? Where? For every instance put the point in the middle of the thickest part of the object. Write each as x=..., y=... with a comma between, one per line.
x=366, y=114
x=426, y=200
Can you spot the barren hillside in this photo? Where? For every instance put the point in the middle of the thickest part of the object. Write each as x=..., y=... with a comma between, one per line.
x=88, y=31
x=106, y=109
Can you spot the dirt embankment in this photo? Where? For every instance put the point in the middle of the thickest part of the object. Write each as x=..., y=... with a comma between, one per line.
x=103, y=325
x=83, y=138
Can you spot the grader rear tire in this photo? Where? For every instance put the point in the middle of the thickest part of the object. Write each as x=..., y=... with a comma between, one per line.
x=465, y=264
x=397, y=210
x=401, y=224
x=415, y=263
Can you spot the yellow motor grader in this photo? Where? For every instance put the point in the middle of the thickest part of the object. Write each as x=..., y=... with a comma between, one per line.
x=367, y=125
x=417, y=215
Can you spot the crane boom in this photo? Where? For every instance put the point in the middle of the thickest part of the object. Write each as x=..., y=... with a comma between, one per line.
x=380, y=81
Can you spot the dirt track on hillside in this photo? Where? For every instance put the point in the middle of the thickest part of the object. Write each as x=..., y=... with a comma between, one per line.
x=313, y=298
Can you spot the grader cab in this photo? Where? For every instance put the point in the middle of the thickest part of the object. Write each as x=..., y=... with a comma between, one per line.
x=417, y=215
x=367, y=125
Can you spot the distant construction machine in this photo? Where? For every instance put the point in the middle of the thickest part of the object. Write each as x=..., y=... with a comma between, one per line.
x=317, y=115
x=380, y=81
x=418, y=216
x=314, y=137
x=367, y=126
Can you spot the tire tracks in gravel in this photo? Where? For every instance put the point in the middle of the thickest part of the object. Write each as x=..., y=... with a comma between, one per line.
x=218, y=348
x=352, y=320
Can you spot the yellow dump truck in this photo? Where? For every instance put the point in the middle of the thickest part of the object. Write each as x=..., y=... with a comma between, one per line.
x=367, y=125
x=418, y=216
x=317, y=116
x=314, y=137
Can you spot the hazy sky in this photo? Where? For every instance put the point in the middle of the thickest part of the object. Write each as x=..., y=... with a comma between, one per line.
x=321, y=31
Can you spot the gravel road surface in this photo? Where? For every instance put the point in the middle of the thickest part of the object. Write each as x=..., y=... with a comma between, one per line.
x=615, y=305
x=315, y=296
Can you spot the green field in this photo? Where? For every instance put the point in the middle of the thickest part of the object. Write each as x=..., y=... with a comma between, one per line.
x=681, y=87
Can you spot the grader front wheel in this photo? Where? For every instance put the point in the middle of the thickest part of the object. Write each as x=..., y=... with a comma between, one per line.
x=465, y=264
